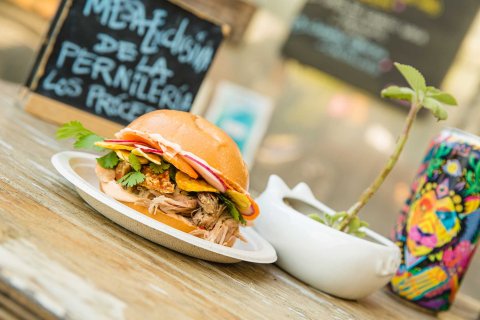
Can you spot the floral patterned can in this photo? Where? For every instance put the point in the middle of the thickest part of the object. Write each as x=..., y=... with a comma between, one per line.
x=439, y=225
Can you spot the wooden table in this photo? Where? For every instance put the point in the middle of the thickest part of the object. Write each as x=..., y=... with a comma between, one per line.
x=61, y=259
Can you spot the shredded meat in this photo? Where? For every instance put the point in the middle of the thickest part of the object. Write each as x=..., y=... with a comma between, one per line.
x=122, y=169
x=203, y=209
x=157, y=182
x=217, y=225
x=172, y=204
x=225, y=231
x=209, y=210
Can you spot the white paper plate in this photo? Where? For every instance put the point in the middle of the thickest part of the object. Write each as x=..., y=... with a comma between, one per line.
x=79, y=169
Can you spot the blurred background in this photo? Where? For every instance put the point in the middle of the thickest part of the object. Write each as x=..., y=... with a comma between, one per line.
x=321, y=129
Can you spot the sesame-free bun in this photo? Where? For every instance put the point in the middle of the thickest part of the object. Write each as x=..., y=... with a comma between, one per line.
x=198, y=136
x=173, y=220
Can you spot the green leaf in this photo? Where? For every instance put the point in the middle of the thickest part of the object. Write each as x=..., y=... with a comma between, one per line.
x=172, y=172
x=399, y=93
x=414, y=78
x=88, y=142
x=108, y=161
x=317, y=218
x=445, y=98
x=354, y=225
x=131, y=179
x=339, y=216
x=436, y=108
x=360, y=234
x=73, y=129
x=432, y=90
x=134, y=162
x=232, y=209
x=157, y=169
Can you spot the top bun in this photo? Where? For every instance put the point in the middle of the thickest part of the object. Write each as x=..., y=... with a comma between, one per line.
x=198, y=136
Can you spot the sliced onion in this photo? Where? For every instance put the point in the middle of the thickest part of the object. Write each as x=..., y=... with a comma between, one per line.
x=206, y=172
x=148, y=149
x=120, y=141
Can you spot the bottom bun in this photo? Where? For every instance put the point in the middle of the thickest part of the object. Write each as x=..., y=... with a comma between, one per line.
x=177, y=222
x=174, y=222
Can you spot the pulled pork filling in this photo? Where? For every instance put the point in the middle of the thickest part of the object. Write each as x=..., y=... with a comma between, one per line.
x=205, y=210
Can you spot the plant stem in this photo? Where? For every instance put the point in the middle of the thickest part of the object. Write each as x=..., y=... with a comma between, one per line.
x=372, y=189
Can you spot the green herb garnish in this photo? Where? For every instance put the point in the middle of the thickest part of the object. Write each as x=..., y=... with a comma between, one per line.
x=134, y=162
x=135, y=177
x=159, y=168
x=232, y=209
x=85, y=139
x=131, y=179
x=108, y=161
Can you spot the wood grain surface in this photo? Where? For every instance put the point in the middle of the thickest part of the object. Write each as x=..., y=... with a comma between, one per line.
x=61, y=259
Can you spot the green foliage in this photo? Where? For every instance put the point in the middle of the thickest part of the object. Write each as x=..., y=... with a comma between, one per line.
x=73, y=129
x=108, y=161
x=88, y=142
x=172, y=172
x=355, y=225
x=85, y=139
x=159, y=169
x=334, y=221
x=134, y=162
x=419, y=93
x=131, y=179
x=232, y=209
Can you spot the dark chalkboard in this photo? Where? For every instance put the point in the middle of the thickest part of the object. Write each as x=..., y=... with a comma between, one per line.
x=119, y=59
x=358, y=40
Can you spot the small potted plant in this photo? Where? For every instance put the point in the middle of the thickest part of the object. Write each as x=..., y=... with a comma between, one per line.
x=340, y=255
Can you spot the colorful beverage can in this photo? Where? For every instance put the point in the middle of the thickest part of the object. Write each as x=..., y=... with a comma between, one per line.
x=438, y=228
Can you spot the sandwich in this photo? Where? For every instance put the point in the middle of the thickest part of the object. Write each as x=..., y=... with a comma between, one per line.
x=177, y=168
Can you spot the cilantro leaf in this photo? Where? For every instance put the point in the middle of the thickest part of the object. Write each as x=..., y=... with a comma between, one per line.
x=131, y=179
x=134, y=162
x=72, y=129
x=414, y=78
x=159, y=168
x=232, y=209
x=88, y=142
x=108, y=161
x=85, y=139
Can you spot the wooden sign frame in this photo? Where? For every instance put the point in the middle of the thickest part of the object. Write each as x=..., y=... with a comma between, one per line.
x=59, y=112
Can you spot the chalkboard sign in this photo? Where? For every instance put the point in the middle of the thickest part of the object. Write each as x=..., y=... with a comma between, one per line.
x=358, y=40
x=119, y=59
